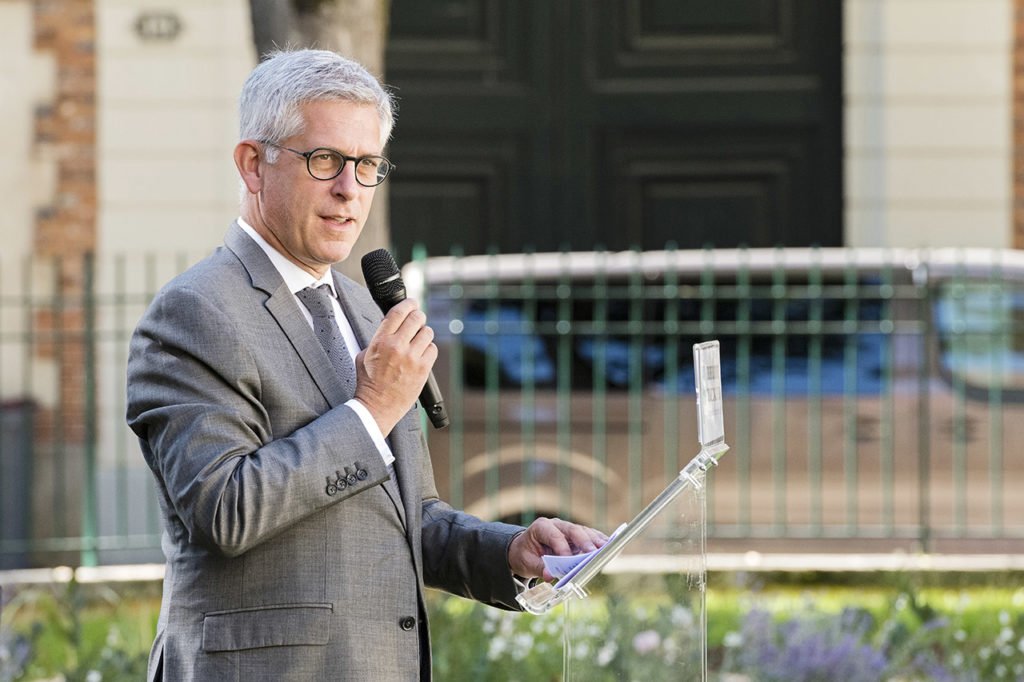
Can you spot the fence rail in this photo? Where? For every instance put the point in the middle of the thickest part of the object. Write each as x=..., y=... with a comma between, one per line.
x=872, y=395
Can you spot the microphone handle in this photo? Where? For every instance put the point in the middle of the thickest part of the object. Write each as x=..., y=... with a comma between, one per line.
x=433, y=403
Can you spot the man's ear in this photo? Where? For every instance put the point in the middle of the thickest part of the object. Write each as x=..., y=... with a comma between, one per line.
x=247, y=160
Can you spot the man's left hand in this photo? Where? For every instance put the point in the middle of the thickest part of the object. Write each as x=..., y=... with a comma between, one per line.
x=550, y=536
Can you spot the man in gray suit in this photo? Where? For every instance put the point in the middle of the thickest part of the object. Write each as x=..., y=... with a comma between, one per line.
x=276, y=408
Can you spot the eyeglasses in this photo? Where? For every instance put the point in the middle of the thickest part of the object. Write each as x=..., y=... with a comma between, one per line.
x=326, y=164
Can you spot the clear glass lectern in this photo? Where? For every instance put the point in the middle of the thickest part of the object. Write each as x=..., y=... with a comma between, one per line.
x=649, y=623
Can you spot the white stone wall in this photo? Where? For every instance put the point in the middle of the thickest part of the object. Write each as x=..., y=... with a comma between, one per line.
x=27, y=181
x=26, y=80
x=928, y=122
x=168, y=124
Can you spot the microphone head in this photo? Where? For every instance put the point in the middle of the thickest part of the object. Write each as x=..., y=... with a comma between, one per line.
x=378, y=266
x=383, y=278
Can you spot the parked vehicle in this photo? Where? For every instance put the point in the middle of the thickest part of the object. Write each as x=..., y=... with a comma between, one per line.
x=874, y=394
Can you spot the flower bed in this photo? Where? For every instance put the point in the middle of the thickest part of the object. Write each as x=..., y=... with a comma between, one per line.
x=898, y=627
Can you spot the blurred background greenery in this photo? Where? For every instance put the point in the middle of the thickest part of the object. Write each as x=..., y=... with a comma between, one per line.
x=790, y=626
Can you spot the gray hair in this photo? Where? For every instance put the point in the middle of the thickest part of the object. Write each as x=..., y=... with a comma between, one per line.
x=271, y=96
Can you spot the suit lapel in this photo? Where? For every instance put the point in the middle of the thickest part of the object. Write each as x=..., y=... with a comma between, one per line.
x=282, y=306
x=365, y=316
x=405, y=447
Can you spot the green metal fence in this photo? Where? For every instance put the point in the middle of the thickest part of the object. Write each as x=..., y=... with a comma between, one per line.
x=870, y=395
x=874, y=396
x=73, y=486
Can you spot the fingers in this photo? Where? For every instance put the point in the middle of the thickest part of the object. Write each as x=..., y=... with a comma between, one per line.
x=570, y=538
x=391, y=370
x=586, y=539
x=406, y=325
x=399, y=316
x=551, y=536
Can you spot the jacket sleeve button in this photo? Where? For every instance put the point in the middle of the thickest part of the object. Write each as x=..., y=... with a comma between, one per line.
x=352, y=479
x=361, y=474
x=407, y=623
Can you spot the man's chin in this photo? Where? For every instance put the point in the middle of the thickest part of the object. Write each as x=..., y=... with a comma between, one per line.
x=338, y=253
x=344, y=253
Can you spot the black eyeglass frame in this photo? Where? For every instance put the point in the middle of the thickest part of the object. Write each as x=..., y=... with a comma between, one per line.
x=356, y=160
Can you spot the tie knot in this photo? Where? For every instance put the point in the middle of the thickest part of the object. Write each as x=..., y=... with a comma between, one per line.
x=317, y=300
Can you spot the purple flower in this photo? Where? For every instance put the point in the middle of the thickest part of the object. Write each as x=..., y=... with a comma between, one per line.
x=647, y=641
x=811, y=649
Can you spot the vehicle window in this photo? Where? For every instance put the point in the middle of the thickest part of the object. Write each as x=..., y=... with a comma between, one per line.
x=621, y=335
x=980, y=327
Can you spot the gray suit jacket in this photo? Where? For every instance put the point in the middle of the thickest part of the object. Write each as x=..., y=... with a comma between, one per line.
x=272, y=574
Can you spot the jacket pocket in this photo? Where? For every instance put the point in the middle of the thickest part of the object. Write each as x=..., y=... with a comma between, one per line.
x=262, y=626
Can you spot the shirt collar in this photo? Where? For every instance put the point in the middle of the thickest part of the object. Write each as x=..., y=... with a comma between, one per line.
x=294, y=277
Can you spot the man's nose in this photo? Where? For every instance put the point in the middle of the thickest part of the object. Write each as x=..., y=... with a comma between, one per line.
x=345, y=184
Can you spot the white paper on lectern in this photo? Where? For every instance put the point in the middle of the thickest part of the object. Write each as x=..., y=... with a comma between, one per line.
x=565, y=567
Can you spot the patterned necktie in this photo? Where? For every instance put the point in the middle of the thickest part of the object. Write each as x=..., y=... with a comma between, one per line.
x=318, y=302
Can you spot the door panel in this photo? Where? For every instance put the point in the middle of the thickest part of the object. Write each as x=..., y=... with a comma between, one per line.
x=547, y=124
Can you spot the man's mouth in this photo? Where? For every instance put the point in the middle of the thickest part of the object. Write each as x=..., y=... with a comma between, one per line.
x=339, y=220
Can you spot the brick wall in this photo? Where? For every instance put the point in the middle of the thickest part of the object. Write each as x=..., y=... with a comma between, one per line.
x=65, y=234
x=67, y=127
x=65, y=229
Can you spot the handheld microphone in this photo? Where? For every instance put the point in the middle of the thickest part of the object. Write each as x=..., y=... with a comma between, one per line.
x=388, y=290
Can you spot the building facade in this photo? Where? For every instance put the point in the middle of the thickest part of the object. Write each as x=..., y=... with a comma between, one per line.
x=119, y=118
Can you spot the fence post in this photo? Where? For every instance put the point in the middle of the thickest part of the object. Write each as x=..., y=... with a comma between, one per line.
x=921, y=282
x=89, y=513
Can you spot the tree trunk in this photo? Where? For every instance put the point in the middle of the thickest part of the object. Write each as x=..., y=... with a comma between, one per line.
x=356, y=29
x=273, y=26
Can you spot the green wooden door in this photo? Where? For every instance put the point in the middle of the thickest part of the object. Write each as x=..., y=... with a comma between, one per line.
x=546, y=124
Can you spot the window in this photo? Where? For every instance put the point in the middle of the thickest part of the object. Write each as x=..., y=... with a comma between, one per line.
x=797, y=338
x=980, y=327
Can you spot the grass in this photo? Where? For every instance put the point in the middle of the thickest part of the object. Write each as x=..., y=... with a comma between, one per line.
x=975, y=599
